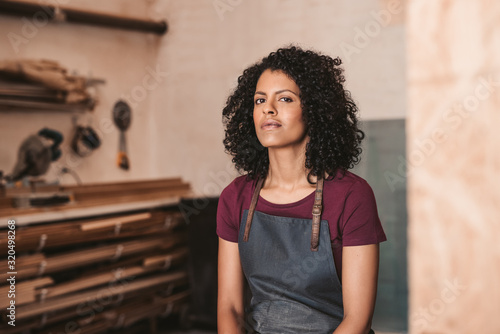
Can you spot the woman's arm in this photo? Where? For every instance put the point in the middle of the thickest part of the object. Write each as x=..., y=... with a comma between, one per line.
x=359, y=288
x=230, y=310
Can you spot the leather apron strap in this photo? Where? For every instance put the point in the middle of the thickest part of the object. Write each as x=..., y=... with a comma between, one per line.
x=316, y=211
x=253, y=204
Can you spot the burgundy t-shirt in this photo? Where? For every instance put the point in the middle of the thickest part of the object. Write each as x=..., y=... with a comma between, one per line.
x=348, y=205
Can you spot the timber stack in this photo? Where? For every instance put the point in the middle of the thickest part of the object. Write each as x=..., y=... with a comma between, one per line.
x=111, y=260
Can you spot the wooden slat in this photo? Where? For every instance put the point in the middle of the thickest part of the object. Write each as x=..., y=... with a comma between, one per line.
x=130, y=261
x=66, y=233
x=25, y=291
x=87, y=256
x=108, y=252
x=95, y=204
x=111, y=276
x=165, y=258
x=22, y=261
x=132, y=315
x=103, y=223
x=91, y=195
x=113, y=316
x=63, y=302
x=81, y=284
x=15, y=103
x=126, y=186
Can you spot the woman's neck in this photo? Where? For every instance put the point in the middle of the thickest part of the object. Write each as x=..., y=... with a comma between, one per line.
x=287, y=168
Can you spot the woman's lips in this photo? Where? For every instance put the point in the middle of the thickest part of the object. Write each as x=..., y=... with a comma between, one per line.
x=270, y=125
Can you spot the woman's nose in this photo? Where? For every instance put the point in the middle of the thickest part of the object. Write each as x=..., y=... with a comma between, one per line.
x=270, y=109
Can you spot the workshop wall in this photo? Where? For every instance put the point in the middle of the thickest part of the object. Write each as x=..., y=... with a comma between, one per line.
x=176, y=127
x=210, y=43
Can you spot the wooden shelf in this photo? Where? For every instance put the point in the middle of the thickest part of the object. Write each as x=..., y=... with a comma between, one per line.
x=96, y=199
x=121, y=250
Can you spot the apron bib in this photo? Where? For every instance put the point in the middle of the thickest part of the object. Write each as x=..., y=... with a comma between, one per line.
x=290, y=269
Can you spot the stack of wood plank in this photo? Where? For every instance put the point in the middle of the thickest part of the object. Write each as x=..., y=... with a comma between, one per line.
x=99, y=273
x=92, y=195
x=19, y=95
x=29, y=84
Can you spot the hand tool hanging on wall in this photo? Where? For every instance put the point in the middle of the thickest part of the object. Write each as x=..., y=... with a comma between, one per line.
x=85, y=139
x=122, y=117
x=36, y=153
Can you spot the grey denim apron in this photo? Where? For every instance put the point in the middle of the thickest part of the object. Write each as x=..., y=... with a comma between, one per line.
x=294, y=283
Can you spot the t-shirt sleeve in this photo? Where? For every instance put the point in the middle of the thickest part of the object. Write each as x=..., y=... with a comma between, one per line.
x=361, y=224
x=227, y=223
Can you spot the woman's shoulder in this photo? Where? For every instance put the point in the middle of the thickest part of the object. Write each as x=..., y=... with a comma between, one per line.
x=229, y=209
x=347, y=182
x=345, y=177
x=240, y=185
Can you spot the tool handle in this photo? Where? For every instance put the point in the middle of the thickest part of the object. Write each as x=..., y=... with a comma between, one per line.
x=122, y=161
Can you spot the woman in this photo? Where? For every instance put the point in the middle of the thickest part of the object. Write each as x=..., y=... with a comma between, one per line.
x=301, y=228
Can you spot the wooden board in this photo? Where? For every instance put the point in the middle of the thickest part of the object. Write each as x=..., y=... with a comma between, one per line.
x=93, y=195
x=63, y=302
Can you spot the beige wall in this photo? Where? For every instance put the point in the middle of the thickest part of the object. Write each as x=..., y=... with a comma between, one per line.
x=176, y=129
x=208, y=46
x=454, y=166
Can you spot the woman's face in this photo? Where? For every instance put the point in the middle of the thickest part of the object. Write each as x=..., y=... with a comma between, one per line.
x=277, y=111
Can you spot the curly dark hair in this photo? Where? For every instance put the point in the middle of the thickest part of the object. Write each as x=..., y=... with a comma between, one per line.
x=328, y=111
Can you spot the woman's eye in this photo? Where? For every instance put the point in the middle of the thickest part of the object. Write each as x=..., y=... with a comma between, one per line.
x=286, y=99
x=259, y=101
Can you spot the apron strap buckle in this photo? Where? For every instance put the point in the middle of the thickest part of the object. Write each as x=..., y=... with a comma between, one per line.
x=316, y=213
x=317, y=209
